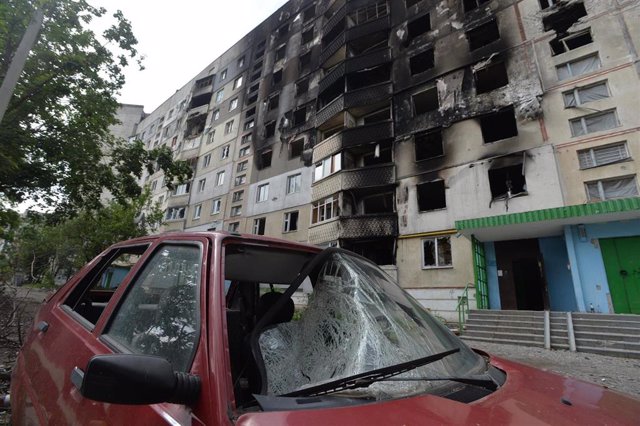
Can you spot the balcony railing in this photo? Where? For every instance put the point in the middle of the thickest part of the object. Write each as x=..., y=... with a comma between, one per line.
x=368, y=60
x=361, y=97
x=365, y=177
x=333, y=47
x=354, y=227
x=353, y=136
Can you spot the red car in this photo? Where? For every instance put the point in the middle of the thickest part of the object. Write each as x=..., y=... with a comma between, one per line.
x=221, y=328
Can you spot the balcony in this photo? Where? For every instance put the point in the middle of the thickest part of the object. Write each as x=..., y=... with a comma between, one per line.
x=335, y=19
x=353, y=136
x=354, y=227
x=380, y=24
x=365, y=96
x=331, y=49
x=365, y=177
x=368, y=60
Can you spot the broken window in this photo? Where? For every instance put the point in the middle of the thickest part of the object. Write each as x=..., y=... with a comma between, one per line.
x=277, y=77
x=223, y=75
x=602, y=155
x=379, y=204
x=280, y=52
x=382, y=114
x=491, y=77
x=411, y=3
x=369, y=12
x=380, y=154
x=309, y=13
x=507, y=182
x=241, y=62
x=428, y=144
x=583, y=95
x=237, y=83
x=250, y=112
x=544, y=4
x=265, y=158
x=307, y=36
x=499, y=125
x=561, y=20
x=273, y=102
x=195, y=125
x=596, y=122
x=436, y=252
x=270, y=129
x=175, y=213
x=295, y=148
x=569, y=42
x=200, y=100
x=233, y=227
x=255, y=77
x=421, y=62
x=249, y=124
x=368, y=43
x=302, y=86
x=220, y=96
x=259, y=225
x=369, y=77
x=300, y=116
x=578, y=67
x=304, y=62
x=431, y=195
x=240, y=180
x=204, y=82
x=283, y=30
x=425, y=101
x=290, y=222
x=483, y=35
x=607, y=189
x=418, y=26
x=470, y=5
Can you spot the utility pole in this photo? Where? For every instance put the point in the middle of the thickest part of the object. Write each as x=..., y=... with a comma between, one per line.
x=19, y=59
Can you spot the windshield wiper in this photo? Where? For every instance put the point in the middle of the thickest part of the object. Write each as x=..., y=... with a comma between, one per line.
x=483, y=380
x=363, y=380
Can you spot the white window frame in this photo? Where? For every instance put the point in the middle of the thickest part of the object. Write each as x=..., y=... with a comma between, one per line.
x=256, y=225
x=182, y=189
x=319, y=210
x=216, y=205
x=583, y=122
x=286, y=225
x=236, y=211
x=176, y=213
x=219, y=96
x=294, y=183
x=206, y=160
x=197, y=210
x=220, y=178
x=601, y=192
x=228, y=127
x=243, y=152
x=223, y=75
x=237, y=83
x=436, y=256
x=240, y=180
x=202, y=183
x=576, y=91
x=570, y=72
x=224, y=153
x=233, y=104
x=327, y=167
x=262, y=193
x=591, y=153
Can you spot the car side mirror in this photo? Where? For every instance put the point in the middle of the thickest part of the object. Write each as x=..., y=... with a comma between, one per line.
x=134, y=380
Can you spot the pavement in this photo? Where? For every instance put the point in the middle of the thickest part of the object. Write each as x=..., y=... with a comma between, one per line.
x=620, y=374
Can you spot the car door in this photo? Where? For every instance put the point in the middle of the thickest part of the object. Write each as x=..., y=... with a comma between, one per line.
x=154, y=310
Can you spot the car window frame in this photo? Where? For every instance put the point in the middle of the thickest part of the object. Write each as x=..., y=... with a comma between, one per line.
x=99, y=265
x=202, y=245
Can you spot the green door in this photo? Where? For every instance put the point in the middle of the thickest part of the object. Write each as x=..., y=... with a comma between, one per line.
x=622, y=262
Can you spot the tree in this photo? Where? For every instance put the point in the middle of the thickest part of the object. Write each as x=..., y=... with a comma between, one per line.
x=55, y=145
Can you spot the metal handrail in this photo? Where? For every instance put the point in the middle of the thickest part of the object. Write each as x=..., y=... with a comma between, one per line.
x=463, y=307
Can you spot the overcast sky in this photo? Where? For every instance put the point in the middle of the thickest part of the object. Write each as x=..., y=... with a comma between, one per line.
x=180, y=38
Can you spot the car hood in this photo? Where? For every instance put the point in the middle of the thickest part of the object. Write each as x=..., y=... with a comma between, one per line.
x=529, y=396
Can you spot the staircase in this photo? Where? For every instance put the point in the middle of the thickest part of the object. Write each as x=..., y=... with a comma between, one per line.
x=612, y=335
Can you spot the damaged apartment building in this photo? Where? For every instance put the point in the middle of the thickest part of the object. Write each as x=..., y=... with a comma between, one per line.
x=482, y=144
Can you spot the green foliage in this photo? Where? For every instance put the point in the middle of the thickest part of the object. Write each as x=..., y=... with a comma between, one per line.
x=55, y=145
x=44, y=247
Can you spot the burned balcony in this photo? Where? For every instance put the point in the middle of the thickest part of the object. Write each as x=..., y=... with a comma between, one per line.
x=355, y=179
x=200, y=100
x=353, y=136
x=360, y=102
x=350, y=65
x=203, y=85
x=355, y=227
x=368, y=77
x=483, y=35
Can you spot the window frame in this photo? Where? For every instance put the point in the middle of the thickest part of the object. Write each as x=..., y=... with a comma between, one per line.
x=262, y=193
x=296, y=179
x=583, y=122
x=436, y=257
x=601, y=193
x=591, y=152
x=286, y=221
x=216, y=205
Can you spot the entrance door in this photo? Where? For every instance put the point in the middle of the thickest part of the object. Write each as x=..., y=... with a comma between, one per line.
x=520, y=276
x=622, y=262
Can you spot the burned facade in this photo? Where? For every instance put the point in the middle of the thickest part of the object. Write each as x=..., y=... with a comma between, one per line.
x=437, y=138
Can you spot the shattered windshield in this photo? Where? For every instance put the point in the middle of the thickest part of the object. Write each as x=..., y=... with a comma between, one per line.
x=356, y=320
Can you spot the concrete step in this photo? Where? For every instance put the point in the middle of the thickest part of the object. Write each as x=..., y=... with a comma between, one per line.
x=503, y=328
x=607, y=344
x=607, y=317
x=621, y=353
x=471, y=339
x=604, y=323
x=506, y=314
x=508, y=321
x=629, y=331
x=499, y=335
x=614, y=337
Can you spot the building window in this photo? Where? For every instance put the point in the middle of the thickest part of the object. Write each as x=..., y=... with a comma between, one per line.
x=202, y=183
x=224, y=152
x=295, y=148
x=249, y=124
x=175, y=213
x=265, y=159
x=417, y=27
x=428, y=144
x=302, y=86
x=436, y=253
x=491, y=77
x=259, y=225
x=294, y=183
x=216, y=206
x=596, y=122
x=243, y=152
x=236, y=211
x=219, y=96
x=233, y=104
x=240, y=180
x=246, y=138
x=216, y=114
x=506, y=182
x=206, y=160
x=273, y=102
x=304, y=62
x=228, y=127
x=280, y=52
x=154, y=185
x=324, y=209
x=220, y=178
x=547, y=3
x=583, y=95
x=210, y=136
x=431, y=196
x=425, y=101
x=237, y=83
x=307, y=36
x=603, y=155
x=566, y=42
x=578, y=67
x=223, y=75
x=277, y=77
x=270, y=129
x=290, y=222
x=469, y=5
x=608, y=189
x=196, y=211
x=300, y=116
x=182, y=189
x=237, y=196
x=483, y=35
x=242, y=166
x=327, y=167
x=240, y=63
x=421, y=62
x=263, y=193
x=499, y=125
x=233, y=226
